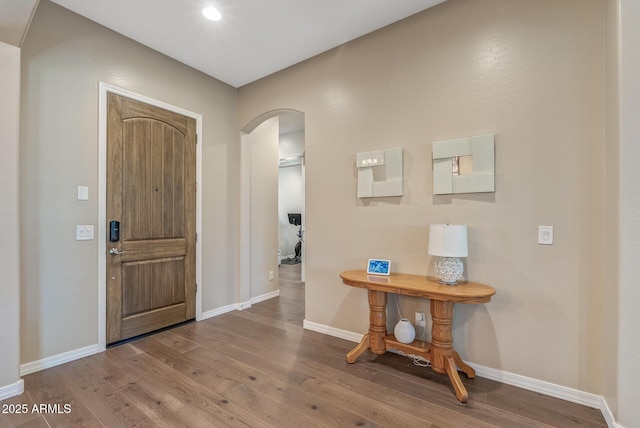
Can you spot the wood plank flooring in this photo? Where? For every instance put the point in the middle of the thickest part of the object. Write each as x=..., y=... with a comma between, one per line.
x=259, y=368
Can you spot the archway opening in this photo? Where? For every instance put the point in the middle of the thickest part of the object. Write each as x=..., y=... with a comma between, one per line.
x=272, y=187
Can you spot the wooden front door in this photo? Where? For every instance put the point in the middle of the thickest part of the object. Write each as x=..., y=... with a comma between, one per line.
x=151, y=193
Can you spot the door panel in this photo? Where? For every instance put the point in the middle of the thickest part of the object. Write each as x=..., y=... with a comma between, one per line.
x=151, y=191
x=165, y=275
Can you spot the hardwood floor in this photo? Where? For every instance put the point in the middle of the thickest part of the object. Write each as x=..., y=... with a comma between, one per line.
x=259, y=368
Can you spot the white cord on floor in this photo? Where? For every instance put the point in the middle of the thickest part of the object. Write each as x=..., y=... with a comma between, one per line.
x=417, y=360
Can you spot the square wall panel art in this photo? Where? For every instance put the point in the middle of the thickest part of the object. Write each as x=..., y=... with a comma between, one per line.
x=464, y=165
x=380, y=173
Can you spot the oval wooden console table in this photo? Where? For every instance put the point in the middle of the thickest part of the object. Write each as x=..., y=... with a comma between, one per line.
x=440, y=352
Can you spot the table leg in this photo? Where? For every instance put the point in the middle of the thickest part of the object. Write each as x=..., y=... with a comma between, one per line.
x=470, y=372
x=353, y=355
x=374, y=339
x=441, y=334
x=444, y=357
x=454, y=377
x=377, y=321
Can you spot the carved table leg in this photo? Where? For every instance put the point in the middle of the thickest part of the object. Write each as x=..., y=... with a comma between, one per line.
x=441, y=335
x=374, y=339
x=470, y=372
x=353, y=355
x=377, y=321
x=444, y=358
x=454, y=377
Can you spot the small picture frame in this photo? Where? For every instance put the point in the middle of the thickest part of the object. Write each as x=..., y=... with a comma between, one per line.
x=379, y=267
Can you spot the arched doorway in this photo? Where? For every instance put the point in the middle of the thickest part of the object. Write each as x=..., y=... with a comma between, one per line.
x=262, y=223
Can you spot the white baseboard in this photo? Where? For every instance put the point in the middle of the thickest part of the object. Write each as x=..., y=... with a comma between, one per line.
x=12, y=390
x=530, y=384
x=238, y=306
x=557, y=391
x=219, y=311
x=608, y=415
x=264, y=297
x=332, y=331
x=543, y=387
x=56, y=360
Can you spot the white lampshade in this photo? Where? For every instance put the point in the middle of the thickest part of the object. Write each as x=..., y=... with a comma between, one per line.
x=448, y=240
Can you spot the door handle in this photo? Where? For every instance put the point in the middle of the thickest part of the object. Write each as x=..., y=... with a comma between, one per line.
x=114, y=252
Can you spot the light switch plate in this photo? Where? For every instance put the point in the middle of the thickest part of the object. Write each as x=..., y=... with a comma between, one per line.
x=84, y=232
x=83, y=193
x=545, y=235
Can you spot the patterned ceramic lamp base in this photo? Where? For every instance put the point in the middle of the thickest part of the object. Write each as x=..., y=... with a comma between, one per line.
x=449, y=270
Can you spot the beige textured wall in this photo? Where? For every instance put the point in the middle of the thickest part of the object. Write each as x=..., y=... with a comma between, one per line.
x=530, y=72
x=63, y=59
x=264, y=207
x=9, y=250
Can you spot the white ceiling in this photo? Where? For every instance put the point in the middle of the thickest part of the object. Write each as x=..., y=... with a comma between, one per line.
x=255, y=38
x=14, y=20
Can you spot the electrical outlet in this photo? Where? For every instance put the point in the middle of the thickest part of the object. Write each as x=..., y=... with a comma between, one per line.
x=270, y=275
x=421, y=320
x=545, y=235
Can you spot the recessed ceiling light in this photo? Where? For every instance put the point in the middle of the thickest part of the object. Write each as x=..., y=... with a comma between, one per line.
x=211, y=13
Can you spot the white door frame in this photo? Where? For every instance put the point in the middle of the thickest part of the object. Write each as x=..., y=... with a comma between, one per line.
x=104, y=89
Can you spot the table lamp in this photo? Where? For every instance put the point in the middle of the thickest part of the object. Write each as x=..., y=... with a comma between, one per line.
x=449, y=241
